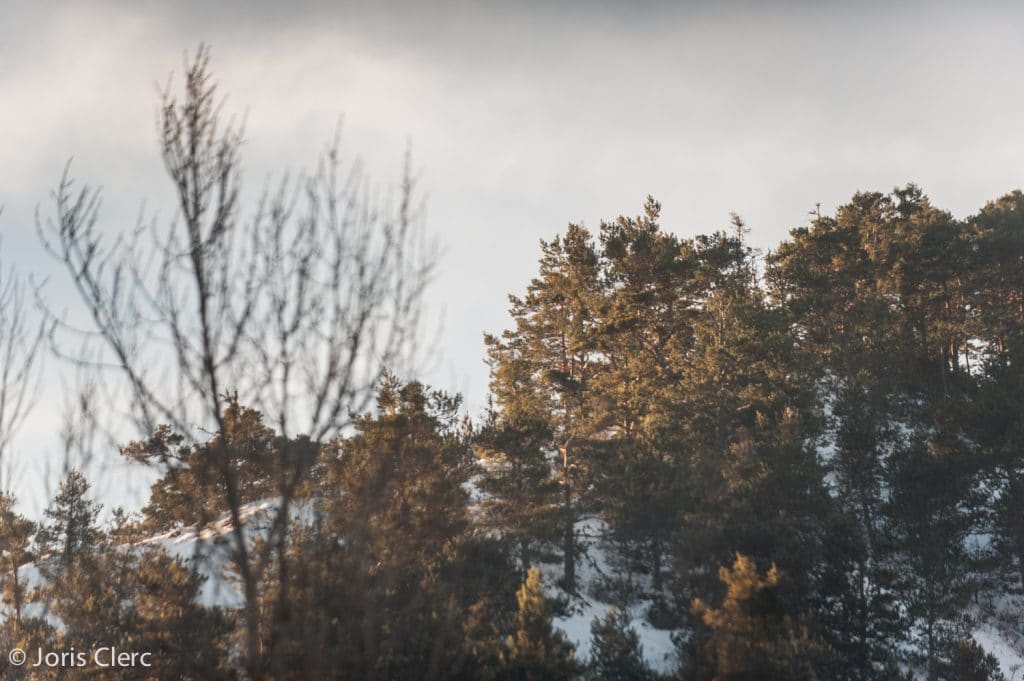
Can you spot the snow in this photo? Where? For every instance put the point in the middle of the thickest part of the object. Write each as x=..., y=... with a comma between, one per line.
x=207, y=550
x=1010, y=661
x=593, y=564
x=658, y=649
x=999, y=628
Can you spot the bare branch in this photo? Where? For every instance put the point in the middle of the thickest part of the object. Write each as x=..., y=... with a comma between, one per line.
x=294, y=310
x=21, y=345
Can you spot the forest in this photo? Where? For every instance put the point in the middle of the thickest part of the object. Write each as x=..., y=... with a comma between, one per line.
x=698, y=461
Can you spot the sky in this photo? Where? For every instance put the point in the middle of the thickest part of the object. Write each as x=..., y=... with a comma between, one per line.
x=521, y=117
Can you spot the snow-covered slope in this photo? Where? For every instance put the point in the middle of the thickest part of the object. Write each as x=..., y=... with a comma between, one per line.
x=999, y=629
x=207, y=550
x=593, y=568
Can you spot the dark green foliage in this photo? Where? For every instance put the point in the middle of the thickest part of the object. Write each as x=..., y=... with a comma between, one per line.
x=848, y=410
x=549, y=362
x=28, y=634
x=103, y=589
x=650, y=297
x=535, y=651
x=390, y=582
x=70, y=528
x=516, y=477
x=15, y=550
x=706, y=390
x=927, y=511
x=997, y=234
x=139, y=600
x=752, y=636
x=246, y=462
x=615, y=650
x=972, y=663
x=857, y=603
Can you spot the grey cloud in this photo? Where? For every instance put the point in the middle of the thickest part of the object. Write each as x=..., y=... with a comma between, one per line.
x=523, y=117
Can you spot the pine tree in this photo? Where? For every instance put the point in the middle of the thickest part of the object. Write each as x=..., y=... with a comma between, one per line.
x=242, y=462
x=189, y=640
x=858, y=605
x=140, y=600
x=28, y=634
x=884, y=297
x=931, y=512
x=857, y=602
x=125, y=595
x=535, y=650
x=385, y=582
x=555, y=326
x=400, y=509
x=972, y=663
x=746, y=421
x=652, y=298
x=615, y=650
x=520, y=492
x=16, y=534
x=70, y=528
x=752, y=635
x=998, y=306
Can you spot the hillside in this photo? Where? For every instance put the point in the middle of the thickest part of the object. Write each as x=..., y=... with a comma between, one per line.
x=697, y=462
x=997, y=618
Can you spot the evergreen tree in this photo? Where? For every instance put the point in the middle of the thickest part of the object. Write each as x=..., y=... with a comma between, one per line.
x=972, y=663
x=998, y=307
x=745, y=410
x=882, y=292
x=129, y=596
x=931, y=514
x=16, y=534
x=652, y=298
x=857, y=591
x=385, y=582
x=535, y=650
x=139, y=600
x=752, y=635
x=852, y=418
x=241, y=462
x=857, y=601
x=70, y=528
x=615, y=650
x=520, y=494
x=28, y=634
x=555, y=325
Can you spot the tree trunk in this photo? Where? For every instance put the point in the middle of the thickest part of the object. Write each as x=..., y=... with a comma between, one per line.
x=17, y=596
x=1017, y=516
x=569, y=529
x=252, y=628
x=931, y=635
x=656, y=583
x=524, y=556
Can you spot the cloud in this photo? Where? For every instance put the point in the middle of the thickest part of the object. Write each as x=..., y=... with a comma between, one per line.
x=523, y=117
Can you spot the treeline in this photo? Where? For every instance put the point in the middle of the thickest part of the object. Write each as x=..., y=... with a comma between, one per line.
x=826, y=441
x=808, y=464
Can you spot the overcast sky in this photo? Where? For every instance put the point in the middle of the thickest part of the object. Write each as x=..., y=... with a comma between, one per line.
x=522, y=117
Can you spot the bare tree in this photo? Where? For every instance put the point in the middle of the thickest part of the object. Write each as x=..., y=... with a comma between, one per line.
x=21, y=344
x=82, y=433
x=294, y=309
